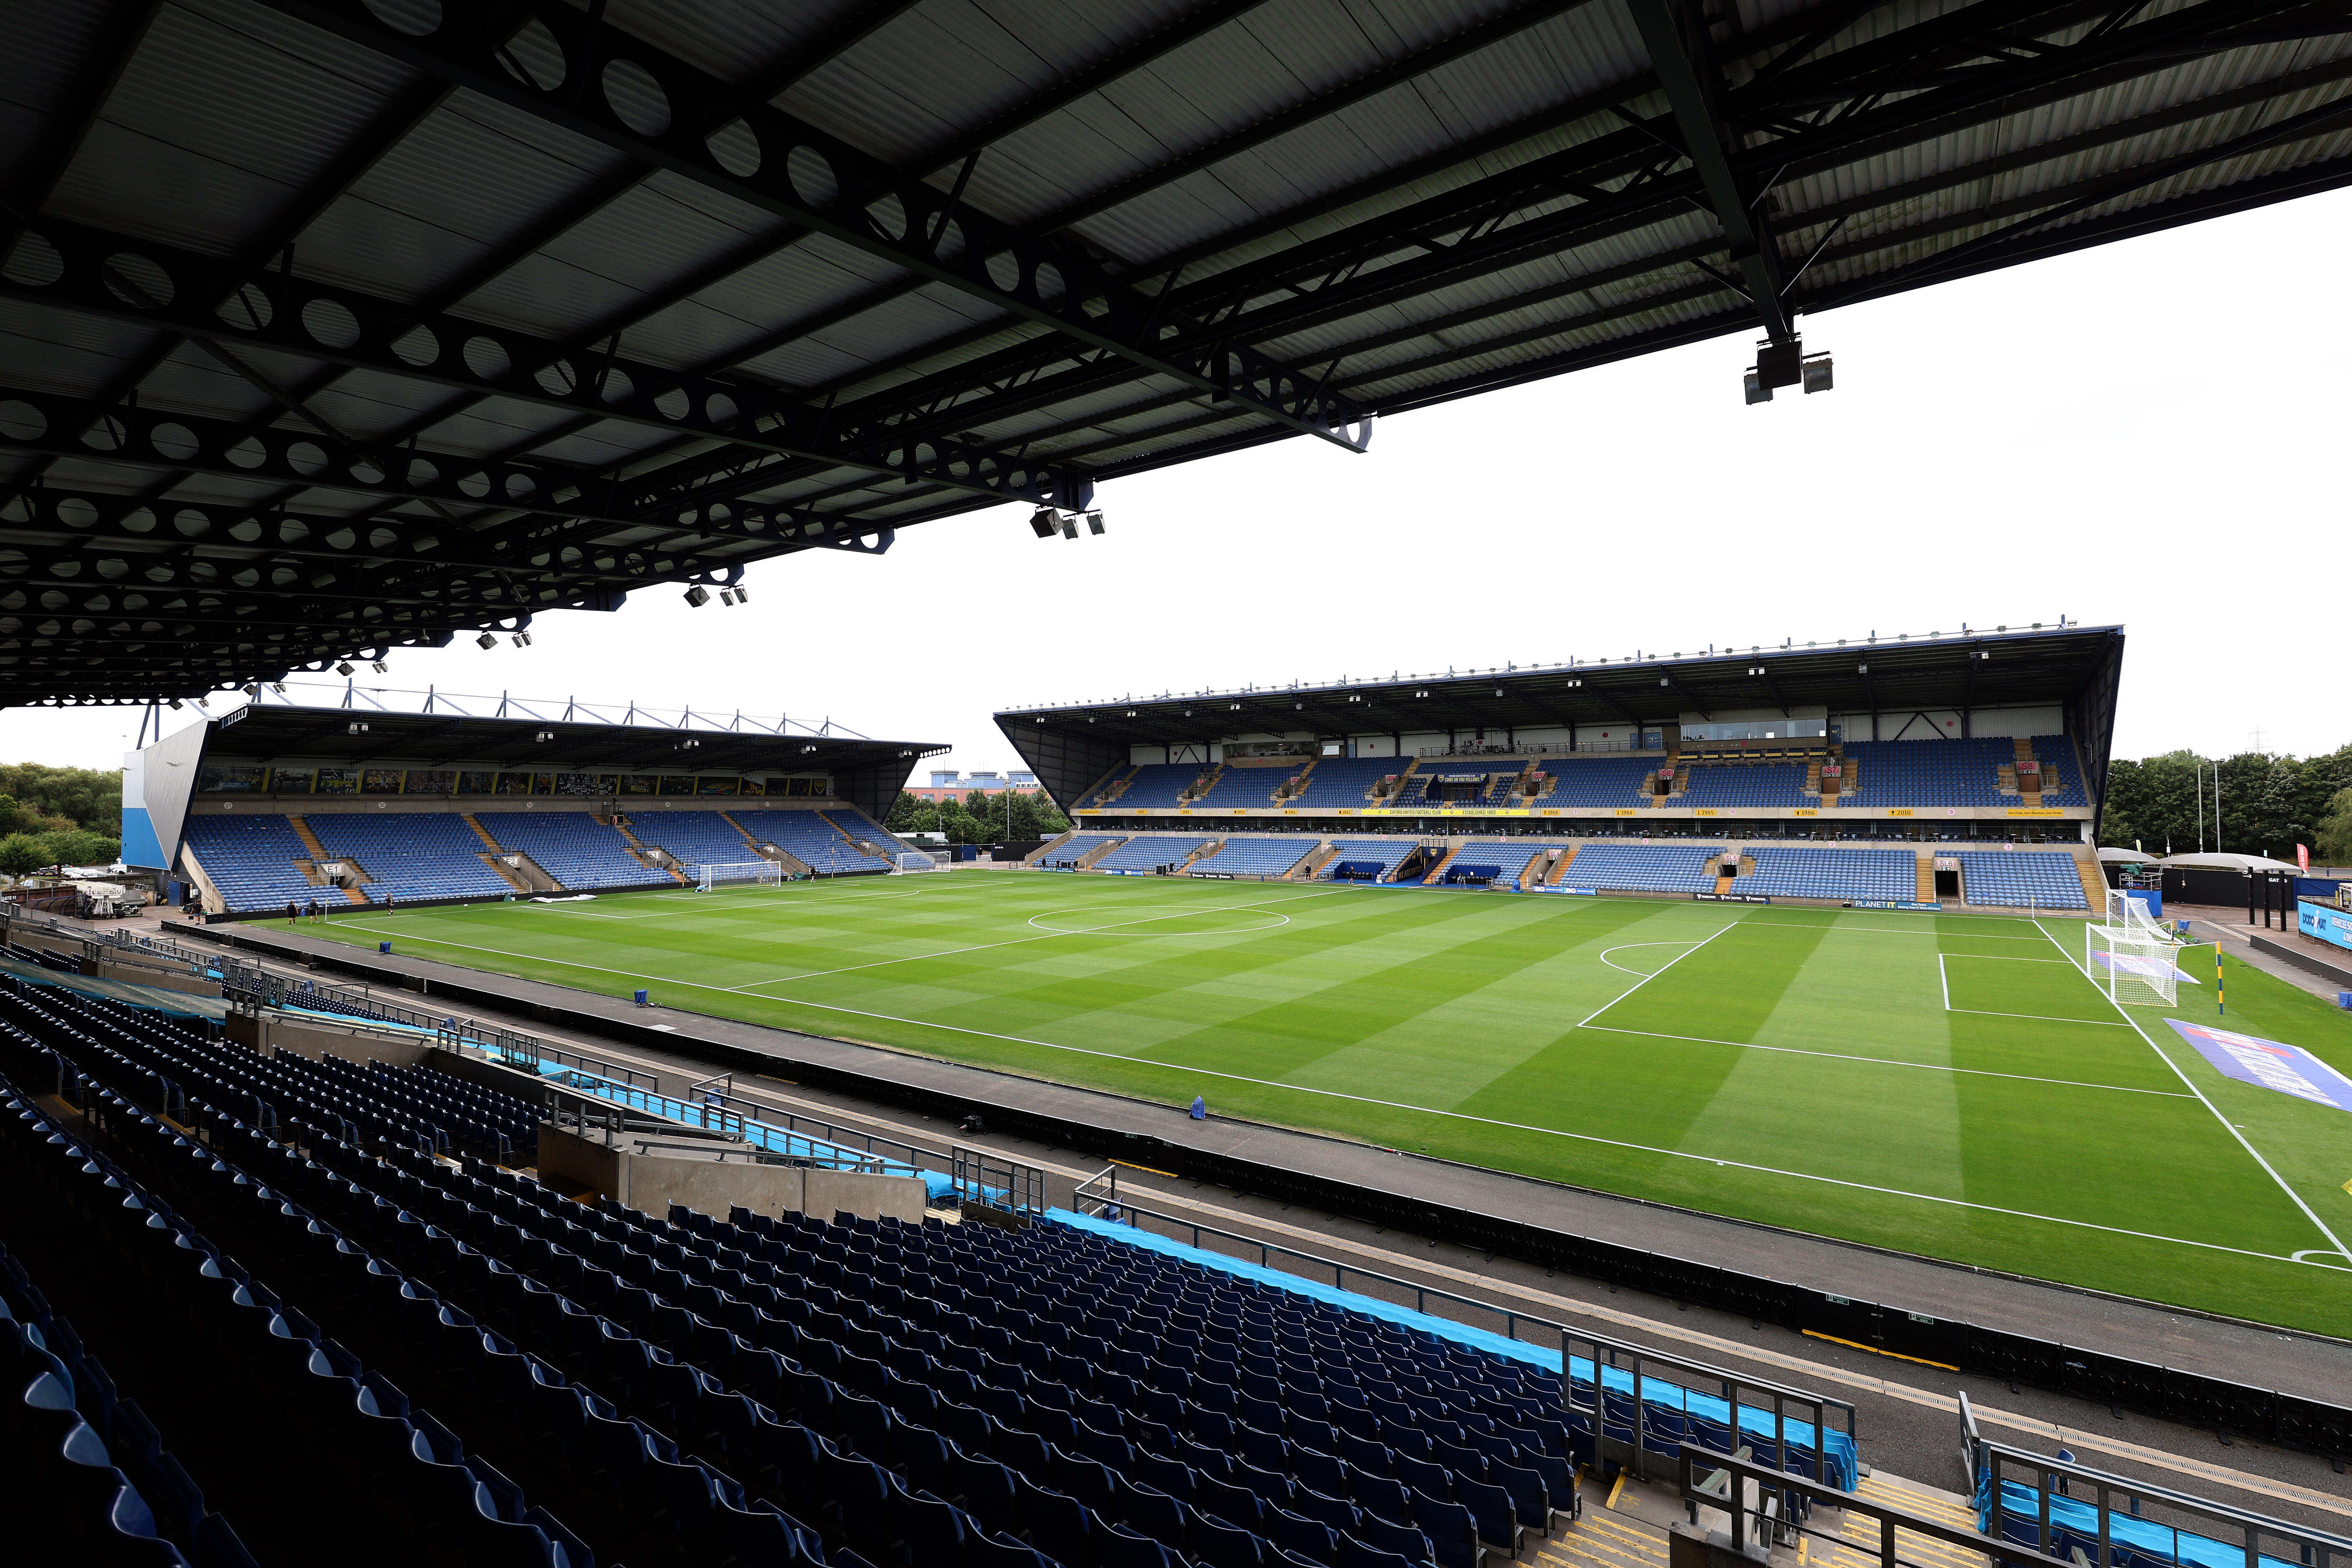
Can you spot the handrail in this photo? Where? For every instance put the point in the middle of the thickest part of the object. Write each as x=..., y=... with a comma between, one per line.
x=1716, y=1481
x=1103, y=1189
x=2044, y=1475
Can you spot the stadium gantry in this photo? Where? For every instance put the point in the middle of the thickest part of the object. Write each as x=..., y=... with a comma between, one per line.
x=336, y=326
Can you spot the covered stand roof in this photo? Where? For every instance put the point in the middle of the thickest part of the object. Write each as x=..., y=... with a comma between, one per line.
x=2075, y=669
x=329, y=326
x=866, y=772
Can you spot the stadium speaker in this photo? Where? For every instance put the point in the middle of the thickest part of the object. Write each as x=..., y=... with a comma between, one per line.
x=343, y=668
x=1040, y=522
x=1817, y=373
x=485, y=641
x=1069, y=525
x=1094, y=523
x=697, y=596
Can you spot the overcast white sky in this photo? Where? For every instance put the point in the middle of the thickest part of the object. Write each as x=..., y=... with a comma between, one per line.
x=2152, y=433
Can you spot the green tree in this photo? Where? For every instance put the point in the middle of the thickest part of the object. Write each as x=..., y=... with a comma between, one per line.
x=21, y=853
x=903, y=812
x=2331, y=836
x=2153, y=802
x=75, y=846
x=85, y=797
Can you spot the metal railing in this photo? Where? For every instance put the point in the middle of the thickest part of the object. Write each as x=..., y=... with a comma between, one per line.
x=1099, y=1196
x=991, y=1182
x=2070, y=1509
x=1764, y=1506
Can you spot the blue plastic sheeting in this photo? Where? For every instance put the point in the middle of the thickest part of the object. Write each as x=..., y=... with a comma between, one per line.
x=1754, y=1423
x=153, y=999
x=2133, y=1542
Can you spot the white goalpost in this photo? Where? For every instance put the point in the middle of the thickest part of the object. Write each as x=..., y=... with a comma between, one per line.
x=2134, y=964
x=762, y=873
x=916, y=860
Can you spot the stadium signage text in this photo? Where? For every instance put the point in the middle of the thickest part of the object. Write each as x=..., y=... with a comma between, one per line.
x=1578, y=892
x=2329, y=925
x=1891, y=904
x=1898, y=811
x=2037, y=811
x=1733, y=898
x=1215, y=876
x=2289, y=1070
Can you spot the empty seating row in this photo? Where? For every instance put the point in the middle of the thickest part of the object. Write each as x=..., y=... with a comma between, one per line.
x=2039, y=878
x=1146, y=854
x=410, y=855
x=810, y=837
x=252, y=860
x=1891, y=875
x=574, y=848
x=1647, y=868
x=1341, y=783
x=1499, y=862
x=1075, y=849
x=1746, y=784
x=1155, y=786
x=1256, y=857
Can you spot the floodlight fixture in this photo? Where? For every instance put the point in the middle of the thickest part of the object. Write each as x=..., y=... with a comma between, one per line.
x=1069, y=525
x=276, y=686
x=697, y=596
x=1094, y=523
x=253, y=691
x=343, y=668
x=522, y=639
x=1040, y=522
x=485, y=642
x=1817, y=373
x=743, y=594
x=380, y=667
x=356, y=727
x=176, y=702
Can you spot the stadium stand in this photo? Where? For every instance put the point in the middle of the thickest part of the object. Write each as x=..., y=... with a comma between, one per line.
x=571, y=847
x=772, y=1388
x=1647, y=868
x=410, y=855
x=252, y=860
x=1745, y=783
x=1258, y=857
x=1367, y=859
x=1158, y=784
x=2061, y=781
x=809, y=836
x=1892, y=875
x=1340, y=783
x=2037, y=877
x=1079, y=846
x=1143, y=853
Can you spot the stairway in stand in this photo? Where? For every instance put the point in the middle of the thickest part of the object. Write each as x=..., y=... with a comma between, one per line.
x=1927, y=878
x=352, y=894
x=1559, y=867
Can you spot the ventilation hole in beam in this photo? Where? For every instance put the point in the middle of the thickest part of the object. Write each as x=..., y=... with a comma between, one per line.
x=330, y=323
x=417, y=19
x=533, y=57
x=488, y=358
x=138, y=281
x=635, y=99
x=33, y=262
x=417, y=345
x=735, y=147
x=812, y=178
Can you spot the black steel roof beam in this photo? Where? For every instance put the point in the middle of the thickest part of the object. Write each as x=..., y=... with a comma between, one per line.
x=1682, y=52
x=267, y=309
x=119, y=37
x=771, y=160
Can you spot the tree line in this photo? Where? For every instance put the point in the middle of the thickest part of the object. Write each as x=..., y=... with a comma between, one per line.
x=978, y=817
x=51, y=816
x=2269, y=803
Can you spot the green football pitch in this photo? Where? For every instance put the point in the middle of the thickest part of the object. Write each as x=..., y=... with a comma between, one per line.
x=1951, y=1084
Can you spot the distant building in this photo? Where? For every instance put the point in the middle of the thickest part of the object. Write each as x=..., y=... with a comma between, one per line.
x=946, y=783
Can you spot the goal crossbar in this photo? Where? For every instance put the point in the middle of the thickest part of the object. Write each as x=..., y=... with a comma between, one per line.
x=2134, y=966
x=711, y=874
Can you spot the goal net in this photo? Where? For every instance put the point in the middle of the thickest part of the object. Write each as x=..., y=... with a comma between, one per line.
x=916, y=860
x=2133, y=966
x=765, y=873
x=2127, y=910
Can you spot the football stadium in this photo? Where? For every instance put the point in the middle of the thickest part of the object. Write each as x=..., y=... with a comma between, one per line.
x=1709, y=1109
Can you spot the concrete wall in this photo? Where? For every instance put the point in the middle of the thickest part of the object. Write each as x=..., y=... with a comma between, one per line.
x=161, y=979
x=270, y=1033
x=651, y=1183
